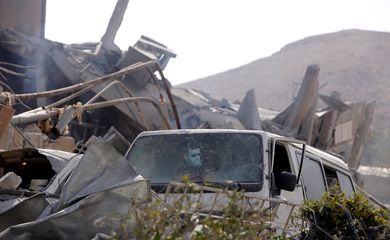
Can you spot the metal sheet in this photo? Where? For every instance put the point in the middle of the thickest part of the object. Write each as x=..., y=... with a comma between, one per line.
x=57, y=158
x=5, y=205
x=98, y=213
x=27, y=210
x=101, y=167
x=58, y=181
x=99, y=189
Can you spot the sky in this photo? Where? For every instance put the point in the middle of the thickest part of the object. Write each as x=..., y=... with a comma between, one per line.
x=212, y=36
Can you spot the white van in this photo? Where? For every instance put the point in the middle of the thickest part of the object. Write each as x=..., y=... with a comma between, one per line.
x=265, y=165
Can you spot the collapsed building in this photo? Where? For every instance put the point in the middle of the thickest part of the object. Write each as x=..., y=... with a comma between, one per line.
x=128, y=90
x=58, y=99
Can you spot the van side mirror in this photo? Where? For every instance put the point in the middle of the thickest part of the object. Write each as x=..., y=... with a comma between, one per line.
x=286, y=181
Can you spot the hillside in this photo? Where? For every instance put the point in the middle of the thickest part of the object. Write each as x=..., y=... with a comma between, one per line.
x=353, y=62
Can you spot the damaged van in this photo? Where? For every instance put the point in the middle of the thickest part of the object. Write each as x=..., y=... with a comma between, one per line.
x=264, y=165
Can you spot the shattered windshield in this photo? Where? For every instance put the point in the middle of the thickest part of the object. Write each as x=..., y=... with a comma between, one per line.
x=203, y=157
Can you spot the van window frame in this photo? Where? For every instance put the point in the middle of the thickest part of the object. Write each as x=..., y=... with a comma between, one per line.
x=323, y=164
x=314, y=158
x=255, y=186
x=337, y=169
x=350, y=180
x=290, y=159
x=286, y=143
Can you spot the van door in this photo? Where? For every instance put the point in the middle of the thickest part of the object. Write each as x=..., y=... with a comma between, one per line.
x=283, y=162
x=313, y=178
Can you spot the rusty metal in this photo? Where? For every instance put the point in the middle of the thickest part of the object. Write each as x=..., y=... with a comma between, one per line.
x=156, y=85
x=91, y=83
x=16, y=65
x=165, y=81
x=6, y=70
x=47, y=113
x=21, y=134
x=68, y=98
x=94, y=82
x=25, y=118
x=127, y=90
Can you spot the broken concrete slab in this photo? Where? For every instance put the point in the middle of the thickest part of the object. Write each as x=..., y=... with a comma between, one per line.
x=248, y=113
x=114, y=138
x=10, y=181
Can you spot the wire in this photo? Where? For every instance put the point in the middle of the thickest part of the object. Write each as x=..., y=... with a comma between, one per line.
x=16, y=65
x=10, y=89
x=22, y=134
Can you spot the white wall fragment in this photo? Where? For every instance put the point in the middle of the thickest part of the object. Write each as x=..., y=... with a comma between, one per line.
x=10, y=181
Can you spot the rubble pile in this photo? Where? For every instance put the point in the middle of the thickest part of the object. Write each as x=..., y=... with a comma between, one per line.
x=54, y=158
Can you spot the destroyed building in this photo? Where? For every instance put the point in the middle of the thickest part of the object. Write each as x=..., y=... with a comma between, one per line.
x=59, y=99
x=50, y=77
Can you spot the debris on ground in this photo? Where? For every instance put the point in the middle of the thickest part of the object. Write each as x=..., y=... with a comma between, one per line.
x=10, y=181
x=69, y=113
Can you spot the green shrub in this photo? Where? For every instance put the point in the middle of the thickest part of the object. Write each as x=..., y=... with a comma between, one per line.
x=336, y=216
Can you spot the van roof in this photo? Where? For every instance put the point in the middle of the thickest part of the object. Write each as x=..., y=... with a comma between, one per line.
x=195, y=131
x=326, y=157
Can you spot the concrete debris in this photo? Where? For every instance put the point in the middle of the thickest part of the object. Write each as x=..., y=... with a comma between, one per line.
x=297, y=119
x=77, y=93
x=38, y=184
x=114, y=138
x=32, y=164
x=334, y=102
x=248, y=113
x=10, y=181
x=106, y=87
x=6, y=113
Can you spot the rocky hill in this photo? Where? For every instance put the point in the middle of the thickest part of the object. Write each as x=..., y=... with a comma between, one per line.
x=353, y=62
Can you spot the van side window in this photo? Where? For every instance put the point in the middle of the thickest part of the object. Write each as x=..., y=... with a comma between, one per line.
x=281, y=159
x=331, y=177
x=346, y=184
x=342, y=180
x=313, y=178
